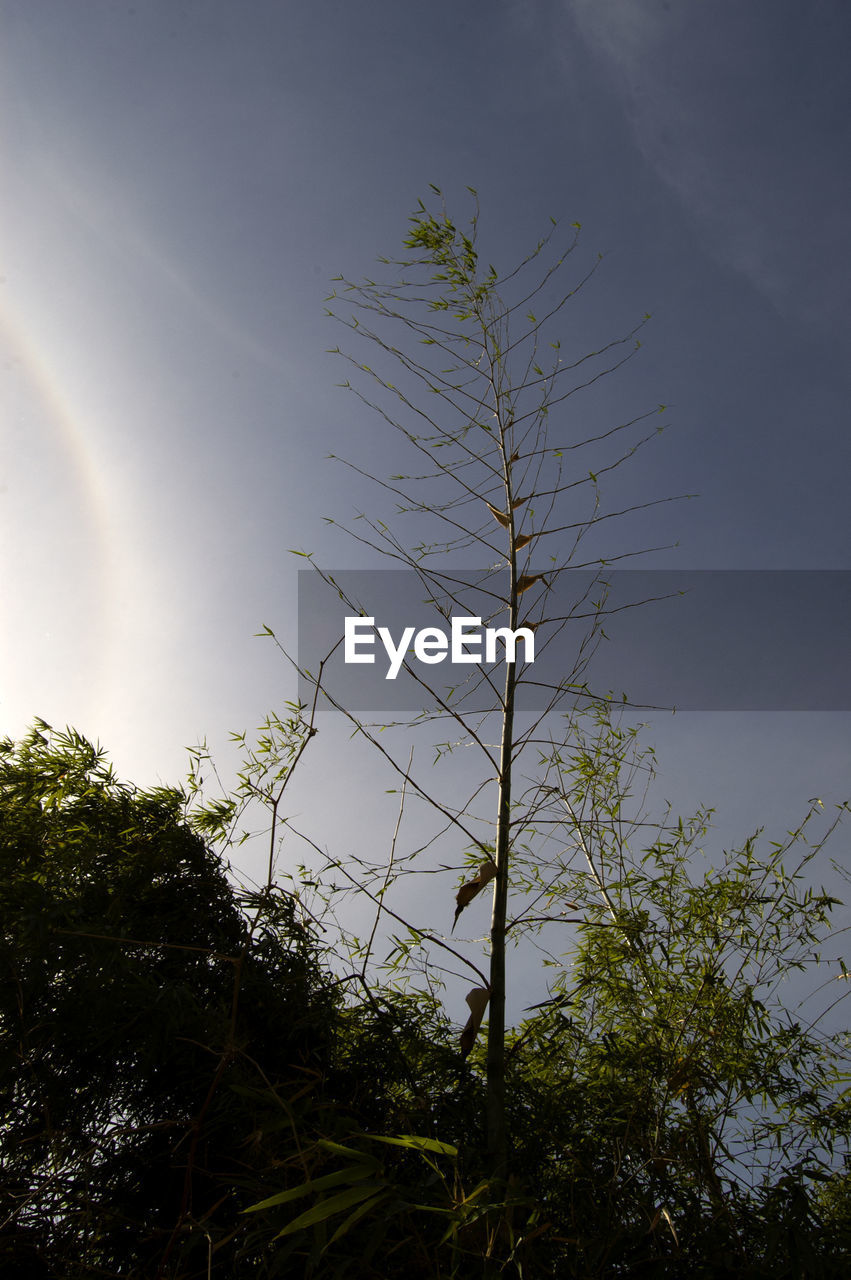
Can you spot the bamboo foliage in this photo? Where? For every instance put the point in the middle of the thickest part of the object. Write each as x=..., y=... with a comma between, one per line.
x=656, y=1068
x=467, y=369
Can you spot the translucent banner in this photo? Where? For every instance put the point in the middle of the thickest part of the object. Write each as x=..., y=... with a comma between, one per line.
x=698, y=640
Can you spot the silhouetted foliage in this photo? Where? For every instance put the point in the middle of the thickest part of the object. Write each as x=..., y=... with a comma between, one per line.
x=137, y=1009
x=185, y=1092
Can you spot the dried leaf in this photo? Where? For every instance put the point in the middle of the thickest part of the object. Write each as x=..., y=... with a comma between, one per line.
x=522, y=541
x=465, y=895
x=518, y=502
x=499, y=516
x=468, y=891
x=477, y=999
x=527, y=580
x=658, y=1216
x=670, y=1221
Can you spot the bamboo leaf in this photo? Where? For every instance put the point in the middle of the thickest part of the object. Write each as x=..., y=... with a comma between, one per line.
x=358, y=1213
x=355, y=1174
x=415, y=1142
x=327, y=1208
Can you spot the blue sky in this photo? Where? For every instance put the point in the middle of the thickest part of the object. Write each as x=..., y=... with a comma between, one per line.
x=181, y=180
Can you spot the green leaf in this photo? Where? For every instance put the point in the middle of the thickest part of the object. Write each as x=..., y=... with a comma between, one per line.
x=327, y=1208
x=356, y=1174
x=415, y=1143
x=340, y=1150
x=356, y=1215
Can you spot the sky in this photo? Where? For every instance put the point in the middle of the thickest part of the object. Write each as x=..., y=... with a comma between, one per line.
x=182, y=178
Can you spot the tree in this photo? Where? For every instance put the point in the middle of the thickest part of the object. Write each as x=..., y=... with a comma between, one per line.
x=687, y=1119
x=632, y=1123
x=173, y=1052
x=137, y=1008
x=308, y=1134
x=474, y=395
x=671, y=1114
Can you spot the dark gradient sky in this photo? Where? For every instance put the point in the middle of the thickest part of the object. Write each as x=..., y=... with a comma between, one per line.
x=181, y=178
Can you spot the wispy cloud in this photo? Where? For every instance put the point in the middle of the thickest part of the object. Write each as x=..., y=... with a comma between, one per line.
x=743, y=111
